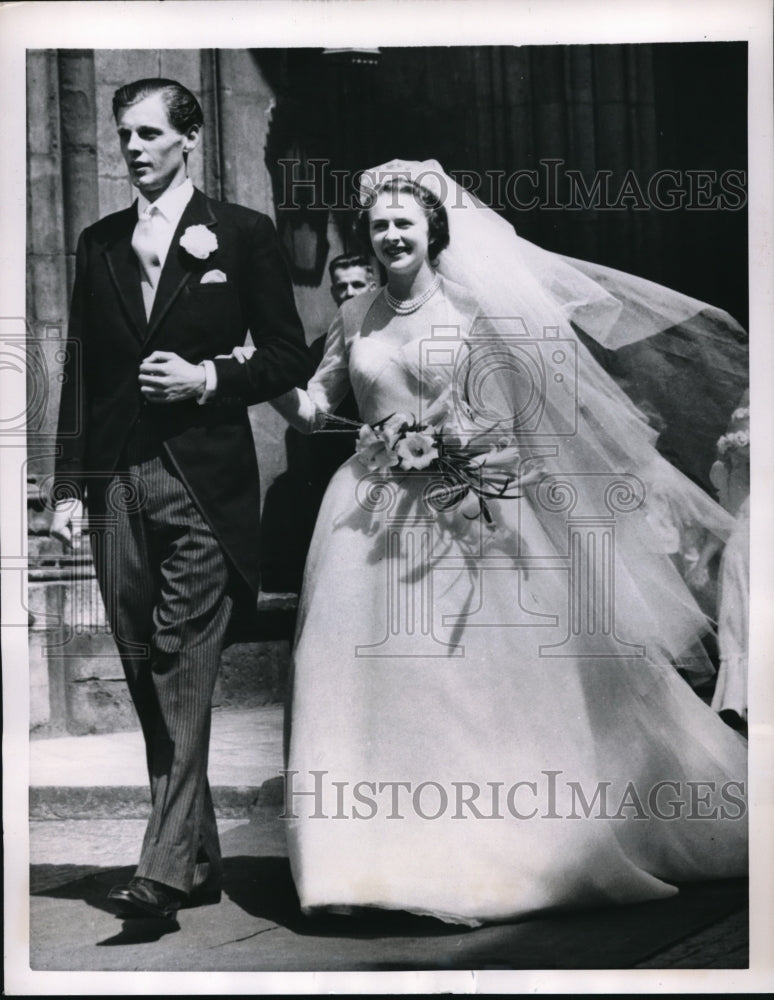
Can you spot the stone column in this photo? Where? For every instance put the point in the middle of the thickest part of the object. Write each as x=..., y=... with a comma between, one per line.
x=112, y=69
x=46, y=274
x=78, y=116
x=46, y=329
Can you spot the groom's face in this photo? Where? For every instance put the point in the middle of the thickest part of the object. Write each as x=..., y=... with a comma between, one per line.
x=154, y=151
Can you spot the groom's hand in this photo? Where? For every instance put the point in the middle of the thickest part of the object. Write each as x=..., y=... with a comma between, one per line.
x=166, y=378
x=66, y=524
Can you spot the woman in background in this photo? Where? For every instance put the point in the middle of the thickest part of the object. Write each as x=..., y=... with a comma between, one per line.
x=731, y=477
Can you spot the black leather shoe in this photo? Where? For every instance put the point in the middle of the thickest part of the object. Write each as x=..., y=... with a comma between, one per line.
x=143, y=897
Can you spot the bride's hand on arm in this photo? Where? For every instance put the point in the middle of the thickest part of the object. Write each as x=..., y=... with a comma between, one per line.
x=298, y=409
x=295, y=405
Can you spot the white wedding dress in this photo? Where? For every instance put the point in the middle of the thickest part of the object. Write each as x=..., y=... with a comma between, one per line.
x=487, y=720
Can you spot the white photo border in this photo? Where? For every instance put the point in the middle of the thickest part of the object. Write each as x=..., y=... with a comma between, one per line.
x=304, y=23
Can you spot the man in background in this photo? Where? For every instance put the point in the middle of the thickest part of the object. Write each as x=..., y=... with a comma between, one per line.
x=351, y=275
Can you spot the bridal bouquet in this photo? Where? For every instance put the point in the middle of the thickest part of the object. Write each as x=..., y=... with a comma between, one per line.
x=468, y=470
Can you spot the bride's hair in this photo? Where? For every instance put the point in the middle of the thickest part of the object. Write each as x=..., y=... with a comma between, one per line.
x=437, y=219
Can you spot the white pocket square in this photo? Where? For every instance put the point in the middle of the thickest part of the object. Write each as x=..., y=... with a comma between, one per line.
x=210, y=277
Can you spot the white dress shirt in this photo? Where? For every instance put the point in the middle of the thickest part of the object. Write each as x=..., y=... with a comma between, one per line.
x=169, y=208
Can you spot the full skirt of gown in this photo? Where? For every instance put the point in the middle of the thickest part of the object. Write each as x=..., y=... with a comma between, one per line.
x=454, y=742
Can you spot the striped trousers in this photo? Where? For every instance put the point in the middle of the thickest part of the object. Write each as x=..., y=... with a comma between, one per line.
x=165, y=583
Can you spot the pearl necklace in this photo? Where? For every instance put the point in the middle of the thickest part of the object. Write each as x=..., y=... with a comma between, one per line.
x=405, y=306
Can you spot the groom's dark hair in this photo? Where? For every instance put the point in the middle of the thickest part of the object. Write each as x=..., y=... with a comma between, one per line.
x=183, y=110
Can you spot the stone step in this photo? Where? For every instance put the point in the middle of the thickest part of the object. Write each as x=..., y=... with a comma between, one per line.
x=104, y=775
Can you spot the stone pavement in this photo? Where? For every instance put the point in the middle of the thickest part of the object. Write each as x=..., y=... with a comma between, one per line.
x=257, y=926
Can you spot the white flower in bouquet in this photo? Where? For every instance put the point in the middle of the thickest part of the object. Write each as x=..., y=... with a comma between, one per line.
x=393, y=427
x=373, y=451
x=417, y=450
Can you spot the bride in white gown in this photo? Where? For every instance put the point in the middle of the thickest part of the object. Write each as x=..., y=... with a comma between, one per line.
x=487, y=719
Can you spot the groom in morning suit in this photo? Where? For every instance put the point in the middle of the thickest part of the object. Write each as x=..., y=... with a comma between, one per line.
x=164, y=456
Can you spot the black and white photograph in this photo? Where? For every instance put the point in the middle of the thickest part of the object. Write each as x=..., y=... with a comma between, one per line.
x=385, y=446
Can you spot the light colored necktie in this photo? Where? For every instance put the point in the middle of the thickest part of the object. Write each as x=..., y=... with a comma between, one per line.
x=145, y=243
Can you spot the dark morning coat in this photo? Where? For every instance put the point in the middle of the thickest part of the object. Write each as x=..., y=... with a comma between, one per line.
x=211, y=445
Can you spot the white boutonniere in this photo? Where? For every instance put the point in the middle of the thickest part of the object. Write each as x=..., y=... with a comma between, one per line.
x=199, y=242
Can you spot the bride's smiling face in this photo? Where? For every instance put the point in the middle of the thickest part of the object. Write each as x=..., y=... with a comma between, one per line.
x=399, y=232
